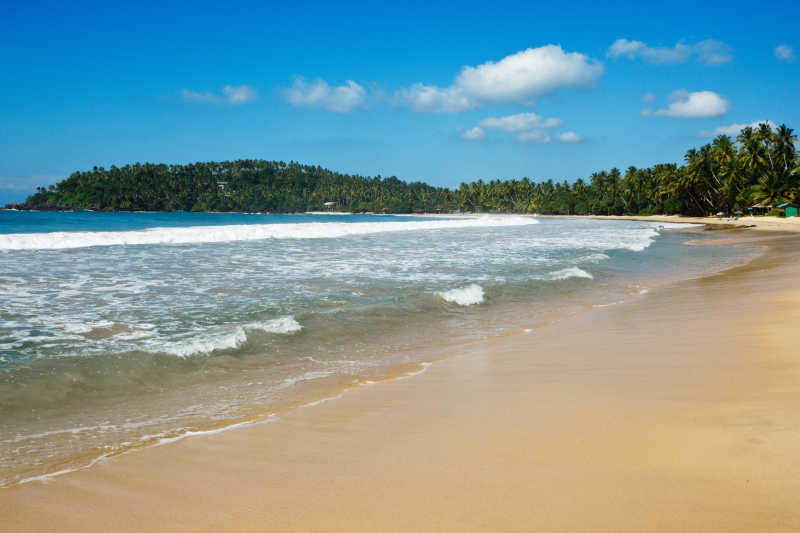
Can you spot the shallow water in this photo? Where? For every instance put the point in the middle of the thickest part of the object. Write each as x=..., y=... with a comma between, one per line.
x=123, y=329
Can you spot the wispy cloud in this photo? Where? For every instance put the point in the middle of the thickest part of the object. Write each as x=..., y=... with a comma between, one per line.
x=318, y=94
x=473, y=134
x=518, y=78
x=239, y=95
x=700, y=104
x=709, y=52
x=649, y=98
x=570, y=137
x=230, y=94
x=734, y=129
x=784, y=52
x=203, y=98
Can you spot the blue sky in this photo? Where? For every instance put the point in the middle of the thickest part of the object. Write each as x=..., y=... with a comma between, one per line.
x=433, y=91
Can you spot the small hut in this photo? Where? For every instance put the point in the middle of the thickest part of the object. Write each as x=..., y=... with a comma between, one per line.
x=760, y=209
x=329, y=205
x=789, y=209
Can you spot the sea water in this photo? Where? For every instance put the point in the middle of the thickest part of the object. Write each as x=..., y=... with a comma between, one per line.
x=120, y=330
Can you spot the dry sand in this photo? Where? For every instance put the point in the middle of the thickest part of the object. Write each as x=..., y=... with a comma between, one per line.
x=677, y=411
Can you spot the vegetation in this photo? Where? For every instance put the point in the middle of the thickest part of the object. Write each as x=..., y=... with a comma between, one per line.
x=760, y=165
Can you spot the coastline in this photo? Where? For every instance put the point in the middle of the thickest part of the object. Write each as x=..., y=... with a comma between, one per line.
x=784, y=224
x=522, y=430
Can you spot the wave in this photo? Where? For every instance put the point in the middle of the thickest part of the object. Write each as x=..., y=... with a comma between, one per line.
x=469, y=295
x=571, y=272
x=593, y=258
x=245, y=232
x=229, y=340
x=284, y=324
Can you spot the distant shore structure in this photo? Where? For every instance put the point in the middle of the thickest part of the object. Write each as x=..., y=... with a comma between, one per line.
x=329, y=205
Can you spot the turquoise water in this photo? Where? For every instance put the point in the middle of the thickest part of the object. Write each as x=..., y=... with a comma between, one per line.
x=121, y=329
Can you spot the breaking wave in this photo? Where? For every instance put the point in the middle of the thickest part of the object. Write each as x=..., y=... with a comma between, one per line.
x=571, y=272
x=229, y=340
x=245, y=232
x=469, y=295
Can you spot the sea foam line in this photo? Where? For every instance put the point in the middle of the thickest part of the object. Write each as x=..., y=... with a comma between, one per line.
x=162, y=440
x=248, y=232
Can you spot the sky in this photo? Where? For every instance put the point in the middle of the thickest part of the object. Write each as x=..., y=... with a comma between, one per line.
x=442, y=92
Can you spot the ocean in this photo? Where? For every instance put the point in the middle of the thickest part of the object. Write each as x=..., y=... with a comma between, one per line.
x=124, y=330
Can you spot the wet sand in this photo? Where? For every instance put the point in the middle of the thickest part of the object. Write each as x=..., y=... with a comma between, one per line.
x=675, y=411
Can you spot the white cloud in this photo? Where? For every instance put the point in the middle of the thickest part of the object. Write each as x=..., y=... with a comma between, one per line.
x=429, y=99
x=473, y=134
x=518, y=78
x=784, y=52
x=570, y=137
x=734, y=129
x=683, y=104
x=519, y=122
x=239, y=95
x=649, y=98
x=234, y=95
x=713, y=52
x=709, y=52
x=530, y=127
x=318, y=94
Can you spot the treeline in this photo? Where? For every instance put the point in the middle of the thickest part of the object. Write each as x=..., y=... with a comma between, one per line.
x=760, y=166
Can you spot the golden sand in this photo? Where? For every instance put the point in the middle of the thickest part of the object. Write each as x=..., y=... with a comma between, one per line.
x=677, y=411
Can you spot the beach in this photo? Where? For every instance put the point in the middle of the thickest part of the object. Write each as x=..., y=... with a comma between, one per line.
x=761, y=223
x=676, y=411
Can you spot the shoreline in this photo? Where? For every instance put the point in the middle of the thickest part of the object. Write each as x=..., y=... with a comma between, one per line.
x=325, y=393
x=790, y=224
x=434, y=409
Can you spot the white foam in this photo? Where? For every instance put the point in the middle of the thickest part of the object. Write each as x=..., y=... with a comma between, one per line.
x=282, y=325
x=207, y=344
x=186, y=434
x=593, y=258
x=469, y=295
x=571, y=272
x=249, y=232
x=219, y=339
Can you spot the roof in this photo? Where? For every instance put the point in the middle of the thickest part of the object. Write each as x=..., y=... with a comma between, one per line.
x=788, y=204
x=762, y=204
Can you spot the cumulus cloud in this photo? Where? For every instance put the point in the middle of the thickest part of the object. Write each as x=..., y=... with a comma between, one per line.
x=683, y=104
x=649, y=98
x=473, y=134
x=318, y=94
x=784, y=52
x=230, y=94
x=529, y=127
x=518, y=78
x=519, y=122
x=734, y=129
x=570, y=137
x=709, y=52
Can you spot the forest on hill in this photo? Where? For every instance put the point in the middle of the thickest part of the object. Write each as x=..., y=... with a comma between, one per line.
x=760, y=165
